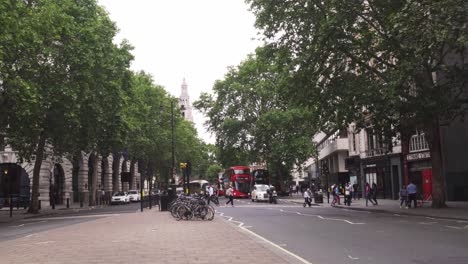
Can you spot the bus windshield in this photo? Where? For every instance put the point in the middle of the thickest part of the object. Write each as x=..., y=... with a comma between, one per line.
x=245, y=171
x=242, y=186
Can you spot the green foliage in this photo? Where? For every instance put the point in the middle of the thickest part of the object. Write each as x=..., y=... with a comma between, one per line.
x=212, y=173
x=393, y=65
x=252, y=120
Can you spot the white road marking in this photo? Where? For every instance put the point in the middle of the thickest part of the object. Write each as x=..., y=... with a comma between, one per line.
x=353, y=258
x=427, y=223
x=69, y=217
x=458, y=227
x=241, y=226
x=20, y=225
x=44, y=242
x=324, y=218
x=28, y=236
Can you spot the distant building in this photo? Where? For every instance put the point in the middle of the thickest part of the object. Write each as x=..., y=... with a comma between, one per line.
x=184, y=103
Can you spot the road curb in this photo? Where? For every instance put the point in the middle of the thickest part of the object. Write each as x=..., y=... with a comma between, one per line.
x=400, y=213
x=386, y=211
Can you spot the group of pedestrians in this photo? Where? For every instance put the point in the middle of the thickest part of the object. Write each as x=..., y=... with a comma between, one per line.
x=408, y=194
x=349, y=191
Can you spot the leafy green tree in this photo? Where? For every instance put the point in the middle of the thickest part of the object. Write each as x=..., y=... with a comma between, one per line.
x=52, y=62
x=403, y=62
x=252, y=120
x=212, y=173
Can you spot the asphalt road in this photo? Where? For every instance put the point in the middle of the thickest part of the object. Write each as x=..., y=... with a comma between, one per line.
x=29, y=226
x=331, y=235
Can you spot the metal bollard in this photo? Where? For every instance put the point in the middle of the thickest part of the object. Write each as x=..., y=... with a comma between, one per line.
x=11, y=206
x=68, y=203
x=39, y=207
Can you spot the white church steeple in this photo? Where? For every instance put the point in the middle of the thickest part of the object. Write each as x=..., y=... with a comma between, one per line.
x=184, y=102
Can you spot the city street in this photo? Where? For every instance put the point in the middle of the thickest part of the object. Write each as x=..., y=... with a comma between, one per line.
x=332, y=235
x=287, y=231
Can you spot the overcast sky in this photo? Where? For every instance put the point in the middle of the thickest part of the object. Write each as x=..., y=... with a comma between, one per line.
x=176, y=39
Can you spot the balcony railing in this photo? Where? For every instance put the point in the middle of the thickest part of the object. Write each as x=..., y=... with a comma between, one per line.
x=376, y=152
x=418, y=143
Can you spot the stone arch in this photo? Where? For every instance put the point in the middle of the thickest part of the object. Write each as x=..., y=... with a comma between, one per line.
x=80, y=188
x=125, y=166
x=94, y=171
x=116, y=165
x=58, y=184
x=106, y=174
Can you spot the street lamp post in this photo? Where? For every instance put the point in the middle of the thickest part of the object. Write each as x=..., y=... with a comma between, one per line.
x=173, y=141
x=141, y=191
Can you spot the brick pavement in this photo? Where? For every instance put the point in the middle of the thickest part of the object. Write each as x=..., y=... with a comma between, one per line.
x=149, y=237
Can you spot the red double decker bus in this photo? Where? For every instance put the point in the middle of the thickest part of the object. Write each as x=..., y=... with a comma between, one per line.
x=240, y=179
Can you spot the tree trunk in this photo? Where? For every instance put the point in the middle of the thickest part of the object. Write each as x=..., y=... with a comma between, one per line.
x=132, y=175
x=93, y=187
x=438, y=178
x=115, y=173
x=34, y=208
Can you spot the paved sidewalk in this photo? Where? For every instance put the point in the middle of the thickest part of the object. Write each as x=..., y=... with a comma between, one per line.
x=59, y=209
x=455, y=210
x=148, y=237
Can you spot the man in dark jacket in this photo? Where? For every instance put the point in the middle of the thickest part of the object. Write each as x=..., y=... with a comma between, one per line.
x=374, y=193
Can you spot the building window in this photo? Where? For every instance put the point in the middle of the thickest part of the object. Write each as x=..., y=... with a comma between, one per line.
x=418, y=143
x=354, y=142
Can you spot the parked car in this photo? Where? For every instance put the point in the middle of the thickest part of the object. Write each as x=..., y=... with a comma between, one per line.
x=120, y=198
x=260, y=192
x=134, y=196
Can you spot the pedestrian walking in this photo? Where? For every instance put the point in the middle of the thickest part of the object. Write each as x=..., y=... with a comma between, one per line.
x=403, y=196
x=368, y=194
x=348, y=191
x=374, y=192
x=307, y=198
x=337, y=193
x=210, y=193
x=230, y=193
x=412, y=191
x=355, y=191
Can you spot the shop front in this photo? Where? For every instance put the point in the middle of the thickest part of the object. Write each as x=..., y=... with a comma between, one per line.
x=384, y=171
x=420, y=172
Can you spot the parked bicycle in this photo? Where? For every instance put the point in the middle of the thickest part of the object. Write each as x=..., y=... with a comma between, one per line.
x=191, y=207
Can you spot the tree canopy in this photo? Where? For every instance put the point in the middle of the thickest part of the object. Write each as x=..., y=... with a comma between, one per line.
x=252, y=120
x=393, y=65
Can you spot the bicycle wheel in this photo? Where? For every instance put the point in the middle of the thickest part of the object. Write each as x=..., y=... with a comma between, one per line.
x=174, y=210
x=201, y=212
x=210, y=213
x=184, y=212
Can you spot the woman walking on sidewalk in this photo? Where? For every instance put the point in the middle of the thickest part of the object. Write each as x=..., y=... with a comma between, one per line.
x=307, y=198
x=368, y=194
x=348, y=191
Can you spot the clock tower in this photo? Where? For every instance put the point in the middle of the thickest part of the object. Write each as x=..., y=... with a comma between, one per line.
x=184, y=103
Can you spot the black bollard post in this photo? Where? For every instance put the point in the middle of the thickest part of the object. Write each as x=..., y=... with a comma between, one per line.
x=53, y=203
x=39, y=204
x=81, y=200
x=11, y=206
x=68, y=203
